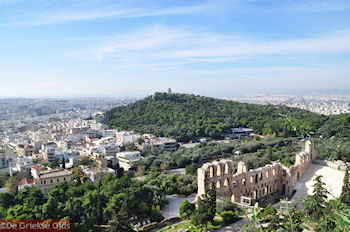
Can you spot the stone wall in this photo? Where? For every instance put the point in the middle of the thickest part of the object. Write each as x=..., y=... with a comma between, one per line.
x=338, y=164
x=253, y=184
x=157, y=225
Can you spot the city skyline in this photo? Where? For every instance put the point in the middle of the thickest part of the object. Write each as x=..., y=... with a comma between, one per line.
x=108, y=48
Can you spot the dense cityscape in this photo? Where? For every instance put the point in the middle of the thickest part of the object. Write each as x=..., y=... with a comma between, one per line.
x=324, y=104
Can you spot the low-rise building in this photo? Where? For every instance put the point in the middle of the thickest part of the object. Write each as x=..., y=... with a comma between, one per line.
x=25, y=182
x=165, y=144
x=127, y=158
x=239, y=133
x=25, y=150
x=100, y=170
x=4, y=161
x=21, y=164
x=46, y=180
x=49, y=154
x=35, y=170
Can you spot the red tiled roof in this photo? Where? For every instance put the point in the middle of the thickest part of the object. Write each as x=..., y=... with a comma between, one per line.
x=37, y=167
x=25, y=181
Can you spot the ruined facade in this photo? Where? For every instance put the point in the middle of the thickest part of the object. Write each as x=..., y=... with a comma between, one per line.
x=250, y=186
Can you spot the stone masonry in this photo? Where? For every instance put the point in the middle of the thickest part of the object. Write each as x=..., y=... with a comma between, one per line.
x=247, y=187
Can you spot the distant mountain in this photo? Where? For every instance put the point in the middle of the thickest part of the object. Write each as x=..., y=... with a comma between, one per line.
x=186, y=117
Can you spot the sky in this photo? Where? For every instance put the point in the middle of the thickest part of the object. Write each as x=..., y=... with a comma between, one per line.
x=219, y=48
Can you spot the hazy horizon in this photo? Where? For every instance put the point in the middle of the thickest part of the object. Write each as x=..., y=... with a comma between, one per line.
x=140, y=96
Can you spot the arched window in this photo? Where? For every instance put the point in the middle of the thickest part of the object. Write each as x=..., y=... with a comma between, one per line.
x=211, y=170
x=218, y=184
x=255, y=194
x=226, y=168
x=260, y=176
x=218, y=170
x=256, y=178
x=243, y=181
x=226, y=182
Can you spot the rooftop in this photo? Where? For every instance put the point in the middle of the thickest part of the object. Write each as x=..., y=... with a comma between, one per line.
x=55, y=173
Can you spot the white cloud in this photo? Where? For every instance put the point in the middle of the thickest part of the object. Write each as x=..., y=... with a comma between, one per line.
x=81, y=12
x=163, y=46
x=52, y=12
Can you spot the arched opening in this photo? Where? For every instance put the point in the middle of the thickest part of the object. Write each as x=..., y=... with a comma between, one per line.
x=233, y=198
x=260, y=176
x=274, y=172
x=267, y=174
x=266, y=191
x=226, y=182
x=251, y=179
x=256, y=178
x=283, y=189
x=218, y=170
x=226, y=168
x=243, y=181
x=211, y=171
x=255, y=194
x=218, y=184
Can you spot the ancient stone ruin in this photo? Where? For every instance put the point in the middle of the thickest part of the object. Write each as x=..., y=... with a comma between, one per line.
x=247, y=187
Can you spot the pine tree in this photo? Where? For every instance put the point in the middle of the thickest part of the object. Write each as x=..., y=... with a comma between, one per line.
x=207, y=207
x=121, y=223
x=345, y=193
x=320, y=196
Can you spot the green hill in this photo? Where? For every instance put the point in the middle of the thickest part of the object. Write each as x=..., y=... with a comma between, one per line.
x=186, y=117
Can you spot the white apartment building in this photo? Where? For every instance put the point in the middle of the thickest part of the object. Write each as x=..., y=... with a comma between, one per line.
x=49, y=154
x=127, y=158
x=21, y=164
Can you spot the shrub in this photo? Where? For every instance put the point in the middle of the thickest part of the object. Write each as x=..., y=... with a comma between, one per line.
x=226, y=205
x=186, y=210
x=228, y=217
x=195, y=220
x=156, y=216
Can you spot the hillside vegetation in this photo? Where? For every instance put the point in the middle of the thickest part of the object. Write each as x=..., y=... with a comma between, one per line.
x=186, y=117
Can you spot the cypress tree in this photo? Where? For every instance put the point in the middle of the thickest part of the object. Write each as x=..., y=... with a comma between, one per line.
x=320, y=196
x=207, y=207
x=63, y=163
x=121, y=223
x=345, y=193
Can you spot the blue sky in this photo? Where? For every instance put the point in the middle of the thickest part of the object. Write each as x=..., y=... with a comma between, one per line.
x=220, y=48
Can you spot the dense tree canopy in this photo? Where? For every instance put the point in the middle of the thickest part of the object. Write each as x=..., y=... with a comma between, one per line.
x=187, y=117
x=87, y=204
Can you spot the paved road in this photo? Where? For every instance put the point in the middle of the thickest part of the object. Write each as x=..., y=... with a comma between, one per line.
x=172, y=209
x=235, y=227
